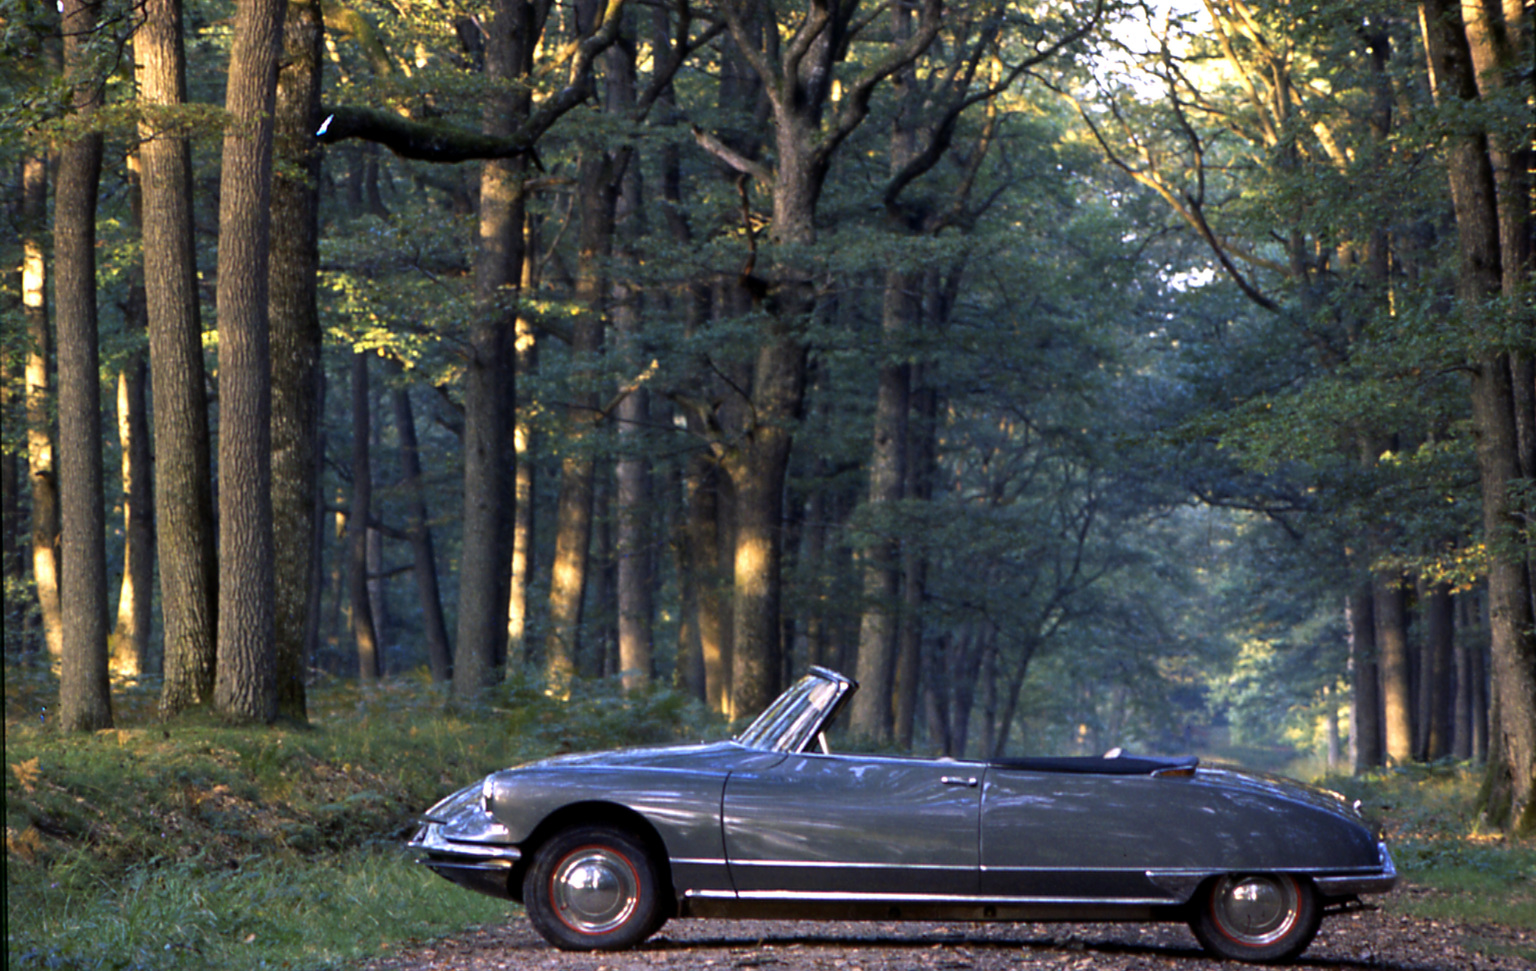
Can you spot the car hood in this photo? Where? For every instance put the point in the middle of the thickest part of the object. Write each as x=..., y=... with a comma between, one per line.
x=698, y=755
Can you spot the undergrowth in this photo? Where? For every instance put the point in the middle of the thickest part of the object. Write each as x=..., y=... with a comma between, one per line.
x=1455, y=868
x=193, y=844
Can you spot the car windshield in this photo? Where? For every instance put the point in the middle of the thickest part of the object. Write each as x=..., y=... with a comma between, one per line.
x=790, y=721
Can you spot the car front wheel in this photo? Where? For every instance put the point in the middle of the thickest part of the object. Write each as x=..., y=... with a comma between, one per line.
x=592, y=888
x=1261, y=917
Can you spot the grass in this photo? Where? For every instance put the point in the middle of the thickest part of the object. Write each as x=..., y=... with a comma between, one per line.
x=193, y=844
x=1456, y=870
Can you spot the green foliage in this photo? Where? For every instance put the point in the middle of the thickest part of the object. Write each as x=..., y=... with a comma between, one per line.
x=191, y=844
x=1456, y=869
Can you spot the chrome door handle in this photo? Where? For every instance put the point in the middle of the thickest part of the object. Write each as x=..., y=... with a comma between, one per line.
x=959, y=780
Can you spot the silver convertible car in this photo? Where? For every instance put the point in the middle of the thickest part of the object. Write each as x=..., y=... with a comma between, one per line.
x=602, y=849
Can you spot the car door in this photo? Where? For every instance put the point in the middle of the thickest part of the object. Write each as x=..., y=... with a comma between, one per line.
x=1066, y=837
x=855, y=827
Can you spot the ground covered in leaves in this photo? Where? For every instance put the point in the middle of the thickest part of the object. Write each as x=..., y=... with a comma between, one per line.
x=1371, y=939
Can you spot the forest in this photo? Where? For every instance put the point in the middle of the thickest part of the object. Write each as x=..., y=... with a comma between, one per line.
x=1071, y=373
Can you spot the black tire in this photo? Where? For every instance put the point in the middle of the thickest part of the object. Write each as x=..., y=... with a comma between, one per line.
x=1266, y=918
x=593, y=888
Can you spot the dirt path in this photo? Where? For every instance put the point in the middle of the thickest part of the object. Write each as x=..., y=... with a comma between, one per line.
x=1366, y=940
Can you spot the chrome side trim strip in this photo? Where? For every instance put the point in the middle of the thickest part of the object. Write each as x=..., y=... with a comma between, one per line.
x=710, y=894
x=935, y=898
x=697, y=861
x=845, y=865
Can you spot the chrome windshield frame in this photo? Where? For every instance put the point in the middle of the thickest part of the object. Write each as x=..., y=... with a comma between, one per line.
x=798, y=715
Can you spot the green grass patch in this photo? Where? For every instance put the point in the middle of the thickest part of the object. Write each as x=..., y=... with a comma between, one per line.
x=194, y=844
x=1455, y=868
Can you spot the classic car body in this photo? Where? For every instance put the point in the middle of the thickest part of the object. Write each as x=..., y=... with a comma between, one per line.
x=603, y=848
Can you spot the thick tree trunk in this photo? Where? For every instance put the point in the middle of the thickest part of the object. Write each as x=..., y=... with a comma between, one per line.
x=1436, y=671
x=1461, y=712
x=1391, y=614
x=183, y=470
x=295, y=343
x=1510, y=788
x=1365, y=697
x=245, y=686
x=633, y=511
x=573, y=516
x=706, y=482
x=128, y=645
x=758, y=469
x=130, y=635
x=921, y=467
x=84, y=697
x=485, y=567
x=39, y=404
x=360, y=513
x=424, y=556
x=879, y=625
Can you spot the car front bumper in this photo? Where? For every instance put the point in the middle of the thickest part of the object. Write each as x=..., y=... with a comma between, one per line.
x=482, y=867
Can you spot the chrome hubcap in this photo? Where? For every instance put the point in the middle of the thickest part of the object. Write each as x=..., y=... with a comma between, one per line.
x=1255, y=910
x=594, y=890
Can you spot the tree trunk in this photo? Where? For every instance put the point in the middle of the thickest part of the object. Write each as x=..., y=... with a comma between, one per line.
x=245, y=686
x=484, y=572
x=1510, y=788
x=128, y=645
x=878, y=627
x=39, y=404
x=130, y=635
x=1461, y=713
x=921, y=468
x=758, y=469
x=1391, y=614
x=439, y=655
x=524, y=493
x=364, y=634
x=183, y=471
x=573, y=516
x=295, y=344
x=633, y=511
x=84, y=697
x=706, y=539
x=1365, y=703
x=1436, y=671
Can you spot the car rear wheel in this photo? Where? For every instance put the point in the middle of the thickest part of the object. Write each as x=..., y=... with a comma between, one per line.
x=593, y=888
x=1262, y=917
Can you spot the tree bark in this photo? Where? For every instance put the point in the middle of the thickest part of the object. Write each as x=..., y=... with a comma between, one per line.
x=1510, y=787
x=1436, y=671
x=245, y=685
x=484, y=578
x=873, y=705
x=525, y=482
x=130, y=635
x=183, y=470
x=1365, y=698
x=295, y=344
x=573, y=516
x=1391, y=614
x=360, y=513
x=439, y=655
x=85, y=701
x=39, y=404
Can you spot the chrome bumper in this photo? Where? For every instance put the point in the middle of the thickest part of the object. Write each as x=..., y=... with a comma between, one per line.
x=1348, y=886
x=483, y=867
